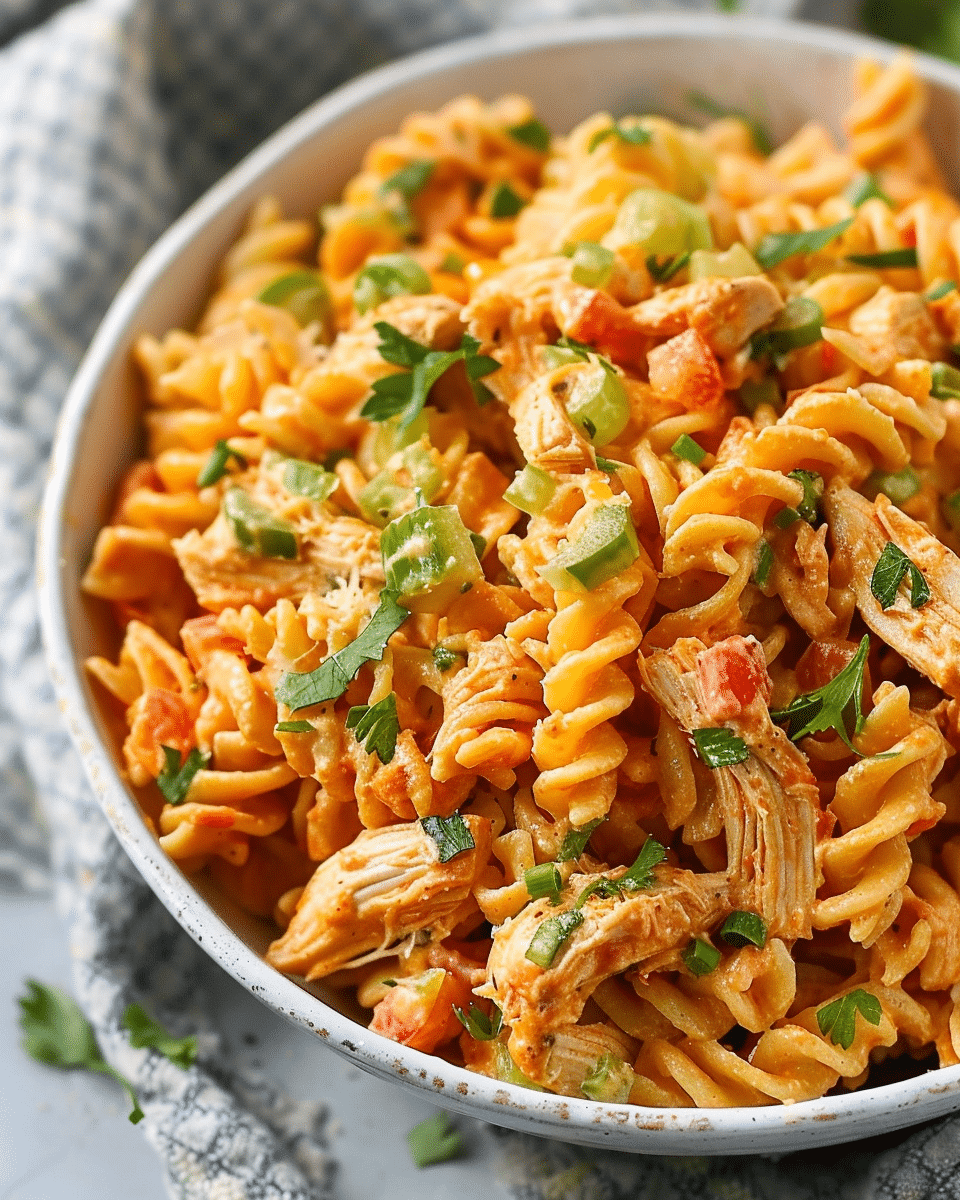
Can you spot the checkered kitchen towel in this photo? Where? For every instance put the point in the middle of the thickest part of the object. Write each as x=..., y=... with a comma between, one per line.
x=114, y=114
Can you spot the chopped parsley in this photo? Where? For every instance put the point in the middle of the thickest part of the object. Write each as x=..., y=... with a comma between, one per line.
x=532, y=133
x=476, y=1022
x=175, y=778
x=504, y=201
x=720, y=747
x=831, y=706
x=376, y=726
x=451, y=835
x=332, y=677
x=839, y=1017
x=434, y=1141
x=892, y=566
x=762, y=138
x=663, y=269
x=147, y=1033
x=634, y=135
x=575, y=840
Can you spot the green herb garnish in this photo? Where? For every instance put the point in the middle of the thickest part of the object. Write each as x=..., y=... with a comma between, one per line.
x=376, y=726
x=765, y=561
x=532, y=133
x=864, y=187
x=905, y=257
x=575, y=840
x=663, y=269
x=831, y=706
x=775, y=248
x=744, y=929
x=411, y=179
x=504, y=201
x=720, y=747
x=332, y=677
x=145, y=1032
x=809, y=507
x=543, y=880
x=451, y=835
x=175, y=778
x=687, y=449
x=434, y=1141
x=700, y=958
x=892, y=566
x=634, y=135
x=550, y=936
x=293, y=727
x=445, y=658
x=216, y=465
x=476, y=1022
x=839, y=1017
x=940, y=290
x=762, y=138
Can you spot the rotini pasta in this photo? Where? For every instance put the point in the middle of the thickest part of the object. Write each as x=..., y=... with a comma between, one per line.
x=541, y=598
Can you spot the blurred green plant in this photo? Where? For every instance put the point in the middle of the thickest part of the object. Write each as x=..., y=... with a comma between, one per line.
x=930, y=25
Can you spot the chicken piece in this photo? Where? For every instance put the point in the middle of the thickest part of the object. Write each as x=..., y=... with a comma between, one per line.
x=927, y=637
x=331, y=546
x=725, y=312
x=898, y=324
x=545, y=433
x=542, y=1005
x=386, y=885
x=769, y=802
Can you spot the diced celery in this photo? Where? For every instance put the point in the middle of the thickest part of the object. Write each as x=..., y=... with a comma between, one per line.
x=944, y=382
x=388, y=437
x=257, y=530
x=305, y=296
x=559, y=356
x=898, y=486
x=660, y=223
x=610, y=1080
x=383, y=498
x=755, y=392
x=592, y=264
x=508, y=1072
x=531, y=490
x=731, y=264
x=598, y=403
x=389, y=275
x=607, y=546
x=428, y=558
x=308, y=479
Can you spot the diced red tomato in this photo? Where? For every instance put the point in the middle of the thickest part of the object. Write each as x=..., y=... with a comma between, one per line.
x=201, y=636
x=684, y=369
x=603, y=322
x=418, y=1012
x=822, y=661
x=731, y=675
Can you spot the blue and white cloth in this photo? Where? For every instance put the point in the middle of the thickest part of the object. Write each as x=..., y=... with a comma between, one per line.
x=114, y=114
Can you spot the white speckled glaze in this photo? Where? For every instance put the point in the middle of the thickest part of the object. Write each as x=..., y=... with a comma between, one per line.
x=569, y=70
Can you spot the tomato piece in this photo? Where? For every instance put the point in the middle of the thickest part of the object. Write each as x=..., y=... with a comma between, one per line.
x=684, y=369
x=158, y=718
x=731, y=675
x=601, y=321
x=418, y=1012
x=201, y=636
x=822, y=661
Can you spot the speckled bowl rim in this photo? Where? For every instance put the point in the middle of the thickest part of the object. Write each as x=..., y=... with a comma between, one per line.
x=773, y=1129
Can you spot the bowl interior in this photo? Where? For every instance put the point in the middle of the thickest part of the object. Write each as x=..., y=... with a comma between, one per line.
x=787, y=75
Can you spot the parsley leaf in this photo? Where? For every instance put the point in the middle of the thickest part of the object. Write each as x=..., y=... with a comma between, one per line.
x=720, y=747
x=445, y=658
x=477, y=366
x=293, y=727
x=175, y=778
x=376, y=726
x=830, y=706
x=839, y=1017
x=57, y=1033
x=809, y=507
x=145, y=1032
x=405, y=395
x=638, y=877
x=635, y=135
x=888, y=574
x=450, y=833
x=775, y=248
x=505, y=202
x=331, y=678
x=434, y=1141
x=395, y=347
x=765, y=561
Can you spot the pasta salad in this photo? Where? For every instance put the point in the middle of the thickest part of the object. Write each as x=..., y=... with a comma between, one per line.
x=541, y=598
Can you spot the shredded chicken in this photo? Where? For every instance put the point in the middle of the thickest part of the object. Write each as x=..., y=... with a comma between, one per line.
x=928, y=637
x=545, y=433
x=725, y=312
x=385, y=886
x=769, y=802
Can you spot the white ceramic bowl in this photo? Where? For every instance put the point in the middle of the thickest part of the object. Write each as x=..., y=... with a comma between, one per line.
x=622, y=64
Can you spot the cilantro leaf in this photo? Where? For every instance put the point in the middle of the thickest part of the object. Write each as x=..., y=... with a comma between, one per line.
x=175, y=778
x=720, y=747
x=445, y=658
x=888, y=574
x=839, y=1017
x=145, y=1032
x=638, y=877
x=505, y=202
x=56, y=1032
x=434, y=1141
x=450, y=833
x=775, y=248
x=424, y=375
x=376, y=726
x=332, y=677
x=391, y=395
x=480, y=1027
x=829, y=706
x=809, y=507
